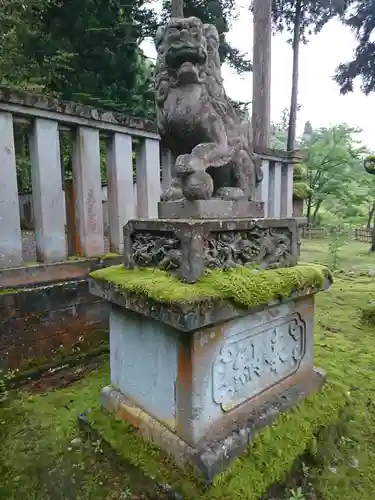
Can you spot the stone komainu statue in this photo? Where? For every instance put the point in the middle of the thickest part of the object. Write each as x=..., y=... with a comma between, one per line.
x=212, y=148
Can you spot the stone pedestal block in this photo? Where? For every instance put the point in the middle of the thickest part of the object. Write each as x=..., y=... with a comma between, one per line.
x=187, y=247
x=201, y=379
x=210, y=209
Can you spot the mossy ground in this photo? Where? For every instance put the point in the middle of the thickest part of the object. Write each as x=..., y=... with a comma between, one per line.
x=246, y=286
x=38, y=460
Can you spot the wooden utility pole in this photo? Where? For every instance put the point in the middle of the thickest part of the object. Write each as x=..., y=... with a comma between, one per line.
x=177, y=8
x=261, y=119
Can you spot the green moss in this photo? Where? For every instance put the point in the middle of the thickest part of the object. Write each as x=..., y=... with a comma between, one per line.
x=301, y=190
x=245, y=286
x=270, y=457
x=298, y=172
x=110, y=255
x=37, y=460
x=8, y=291
x=92, y=343
x=368, y=314
x=144, y=454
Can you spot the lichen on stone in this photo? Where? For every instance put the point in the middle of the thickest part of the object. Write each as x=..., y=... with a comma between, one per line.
x=247, y=287
x=301, y=190
x=298, y=172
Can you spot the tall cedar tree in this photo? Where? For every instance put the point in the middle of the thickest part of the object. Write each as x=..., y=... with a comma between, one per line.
x=88, y=50
x=301, y=18
x=361, y=19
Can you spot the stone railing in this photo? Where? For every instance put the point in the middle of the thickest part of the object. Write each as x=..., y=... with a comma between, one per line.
x=77, y=227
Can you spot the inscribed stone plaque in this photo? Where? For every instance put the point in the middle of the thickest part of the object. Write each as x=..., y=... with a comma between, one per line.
x=256, y=359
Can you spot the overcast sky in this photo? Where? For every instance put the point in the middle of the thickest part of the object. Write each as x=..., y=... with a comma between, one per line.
x=318, y=93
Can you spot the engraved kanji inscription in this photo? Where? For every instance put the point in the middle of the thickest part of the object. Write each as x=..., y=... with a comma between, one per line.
x=253, y=361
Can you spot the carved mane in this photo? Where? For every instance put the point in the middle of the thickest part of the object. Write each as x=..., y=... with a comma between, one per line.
x=209, y=72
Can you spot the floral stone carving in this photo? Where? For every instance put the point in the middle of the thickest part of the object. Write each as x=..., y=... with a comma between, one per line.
x=212, y=148
x=188, y=247
x=256, y=359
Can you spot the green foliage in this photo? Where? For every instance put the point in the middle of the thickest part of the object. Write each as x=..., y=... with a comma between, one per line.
x=338, y=237
x=245, y=286
x=361, y=19
x=297, y=494
x=315, y=15
x=81, y=50
x=333, y=164
x=301, y=190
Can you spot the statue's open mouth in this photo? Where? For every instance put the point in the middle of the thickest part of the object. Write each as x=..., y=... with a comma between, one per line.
x=177, y=57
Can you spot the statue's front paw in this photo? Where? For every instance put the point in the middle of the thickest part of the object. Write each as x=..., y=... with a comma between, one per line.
x=197, y=186
x=230, y=193
x=172, y=193
x=187, y=164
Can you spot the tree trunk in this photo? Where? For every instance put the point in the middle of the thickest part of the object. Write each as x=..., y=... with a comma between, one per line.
x=294, y=96
x=308, y=210
x=370, y=216
x=177, y=8
x=318, y=203
x=372, y=249
x=261, y=112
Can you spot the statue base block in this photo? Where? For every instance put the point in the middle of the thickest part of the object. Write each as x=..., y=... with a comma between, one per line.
x=186, y=247
x=201, y=389
x=210, y=209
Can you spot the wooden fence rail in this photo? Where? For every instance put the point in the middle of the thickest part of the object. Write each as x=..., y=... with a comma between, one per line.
x=82, y=213
x=357, y=233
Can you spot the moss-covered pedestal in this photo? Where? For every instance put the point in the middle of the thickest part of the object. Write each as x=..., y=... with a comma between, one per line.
x=198, y=368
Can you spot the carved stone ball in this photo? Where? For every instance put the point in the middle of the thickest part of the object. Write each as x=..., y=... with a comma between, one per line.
x=198, y=186
x=230, y=193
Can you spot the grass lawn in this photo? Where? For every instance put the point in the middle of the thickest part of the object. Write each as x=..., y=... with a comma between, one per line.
x=42, y=455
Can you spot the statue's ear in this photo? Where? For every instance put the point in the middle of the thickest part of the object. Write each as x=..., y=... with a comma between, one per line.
x=210, y=31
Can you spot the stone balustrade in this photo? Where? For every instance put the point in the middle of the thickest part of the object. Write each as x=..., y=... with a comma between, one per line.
x=49, y=118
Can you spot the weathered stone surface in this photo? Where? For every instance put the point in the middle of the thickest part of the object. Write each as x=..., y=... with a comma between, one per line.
x=15, y=97
x=34, y=274
x=187, y=247
x=47, y=200
x=210, y=209
x=221, y=383
x=213, y=149
x=10, y=230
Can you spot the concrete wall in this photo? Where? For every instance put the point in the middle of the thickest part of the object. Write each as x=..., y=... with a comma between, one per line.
x=40, y=324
